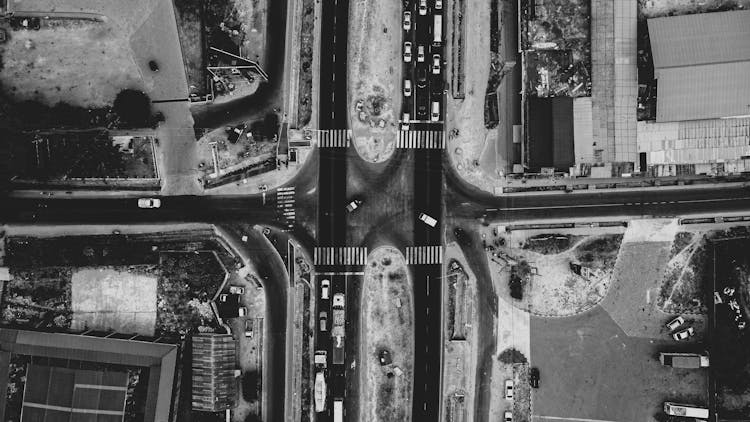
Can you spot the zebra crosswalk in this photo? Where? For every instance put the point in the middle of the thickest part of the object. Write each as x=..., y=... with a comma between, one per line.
x=424, y=255
x=421, y=139
x=334, y=138
x=344, y=255
x=285, y=205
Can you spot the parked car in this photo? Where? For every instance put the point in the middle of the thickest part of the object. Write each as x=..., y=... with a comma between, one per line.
x=675, y=323
x=509, y=389
x=153, y=66
x=436, y=64
x=249, y=328
x=242, y=311
x=407, y=52
x=508, y=417
x=427, y=219
x=407, y=88
x=534, y=377
x=323, y=321
x=324, y=286
x=684, y=334
x=236, y=290
x=422, y=7
x=149, y=203
x=353, y=205
x=420, y=53
x=407, y=21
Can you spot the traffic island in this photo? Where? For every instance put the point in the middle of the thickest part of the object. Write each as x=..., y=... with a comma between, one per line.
x=374, y=77
x=387, y=338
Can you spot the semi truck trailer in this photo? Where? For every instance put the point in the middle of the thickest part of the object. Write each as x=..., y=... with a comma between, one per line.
x=338, y=330
x=684, y=360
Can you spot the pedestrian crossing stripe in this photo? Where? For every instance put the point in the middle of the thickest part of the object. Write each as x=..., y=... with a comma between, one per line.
x=285, y=205
x=424, y=255
x=342, y=255
x=334, y=138
x=421, y=139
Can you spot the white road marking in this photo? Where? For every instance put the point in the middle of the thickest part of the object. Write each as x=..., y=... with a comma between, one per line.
x=571, y=419
x=562, y=207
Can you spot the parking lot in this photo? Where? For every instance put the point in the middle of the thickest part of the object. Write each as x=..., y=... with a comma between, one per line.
x=590, y=370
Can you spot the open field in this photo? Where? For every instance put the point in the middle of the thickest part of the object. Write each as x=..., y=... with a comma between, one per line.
x=387, y=390
x=113, y=299
x=55, y=64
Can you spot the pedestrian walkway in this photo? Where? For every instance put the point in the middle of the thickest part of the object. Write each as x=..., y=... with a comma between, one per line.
x=285, y=205
x=421, y=139
x=334, y=138
x=340, y=256
x=424, y=255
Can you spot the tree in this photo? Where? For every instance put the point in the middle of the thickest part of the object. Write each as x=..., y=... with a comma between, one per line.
x=133, y=107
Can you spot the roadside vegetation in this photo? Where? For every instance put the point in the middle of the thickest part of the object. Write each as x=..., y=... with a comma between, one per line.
x=307, y=41
x=599, y=252
x=551, y=244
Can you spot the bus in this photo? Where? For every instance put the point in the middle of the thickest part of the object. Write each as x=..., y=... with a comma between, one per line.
x=338, y=410
x=437, y=30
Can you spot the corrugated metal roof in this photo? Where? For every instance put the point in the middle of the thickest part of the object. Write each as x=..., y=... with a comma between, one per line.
x=703, y=92
x=700, y=39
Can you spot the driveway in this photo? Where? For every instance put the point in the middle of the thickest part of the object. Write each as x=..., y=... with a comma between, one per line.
x=591, y=370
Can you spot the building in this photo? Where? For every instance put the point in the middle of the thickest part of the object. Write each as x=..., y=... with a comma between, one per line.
x=69, y=375
x=214, y=384
x=701, y=63
x=551, y=133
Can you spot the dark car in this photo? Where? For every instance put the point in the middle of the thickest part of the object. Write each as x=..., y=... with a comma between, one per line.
x=422, y=111
x=153, y=66
x=421, y=77
x=534, y=377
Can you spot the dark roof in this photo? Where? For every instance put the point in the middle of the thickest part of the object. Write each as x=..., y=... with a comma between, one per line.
x=213, y=372
x=160, y=358
x=551, y=133
x=701, y=63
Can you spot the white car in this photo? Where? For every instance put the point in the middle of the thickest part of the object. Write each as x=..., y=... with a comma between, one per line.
x=420, y=53
x=407, y=52
x=249, y=328
x=422, y=7
x=675, y=323
x=236, y=290
x=407, y=21
x=242, y=311
x=353, y=205
x=149, y=203
x=508, y=417
x=325, y=285
x=407, y=88
x=435, y=115
x=436, y=64
x=427, y=219
x=405, y=121
x=438, y=4
x=509, y=389
x=684, y=334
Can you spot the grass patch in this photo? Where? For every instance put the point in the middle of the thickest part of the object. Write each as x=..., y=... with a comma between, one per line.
x=550, y=244
x=189, y=14
x=599, y=252
x=511, y=355
x=38, y=297
x=681, y=240
x=307, y=40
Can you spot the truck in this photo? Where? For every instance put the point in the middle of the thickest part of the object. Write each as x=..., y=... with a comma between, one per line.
x=321, y=357
x=684, y=360
x=338, y=410
x=687, y=410
x=337, y=332
x=320, y=392
x=437, y=30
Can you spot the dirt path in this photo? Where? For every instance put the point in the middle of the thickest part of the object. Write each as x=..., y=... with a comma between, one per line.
x=374, y=77
x=387, y=326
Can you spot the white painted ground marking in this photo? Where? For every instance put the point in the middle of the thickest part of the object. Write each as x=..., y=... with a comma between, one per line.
x=571, y=419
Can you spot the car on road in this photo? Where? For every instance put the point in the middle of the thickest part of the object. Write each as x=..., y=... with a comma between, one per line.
x=351, y=206
x=407, y=88
x=420, y=53
x=438, y=4
x=423, y=7
x=436, y=64
x=405, y=121
x=508, y=416
x=422, y=111
x=325, y=285
x=236, y=290
x=684, y=334
x=435, y=115
x=407, y=52
x=324, y=321
x=249, y=328
x=509, y=389
x=338, y=300
x=421, y=77
x=534, y=377
x=407, y=21
x=675, y=323
x=149, y=203
x=427, y=219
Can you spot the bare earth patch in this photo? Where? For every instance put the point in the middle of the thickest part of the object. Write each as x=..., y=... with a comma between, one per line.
x=374, y=77
x=48, y=65
x=114, y=299
x=387, y=324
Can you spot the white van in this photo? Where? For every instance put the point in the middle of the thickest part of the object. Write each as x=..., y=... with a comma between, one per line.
x=427, y=219
x=435, y=115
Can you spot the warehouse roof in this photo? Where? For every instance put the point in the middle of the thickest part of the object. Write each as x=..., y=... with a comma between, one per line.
x=701, y=62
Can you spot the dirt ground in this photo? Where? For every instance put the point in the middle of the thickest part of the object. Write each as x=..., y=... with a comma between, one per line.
x=374, y=77
x=253, y=15
x=83, y=63
x=230, y=154
x=386, y=391
x=656, y=8
x=114, y=299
